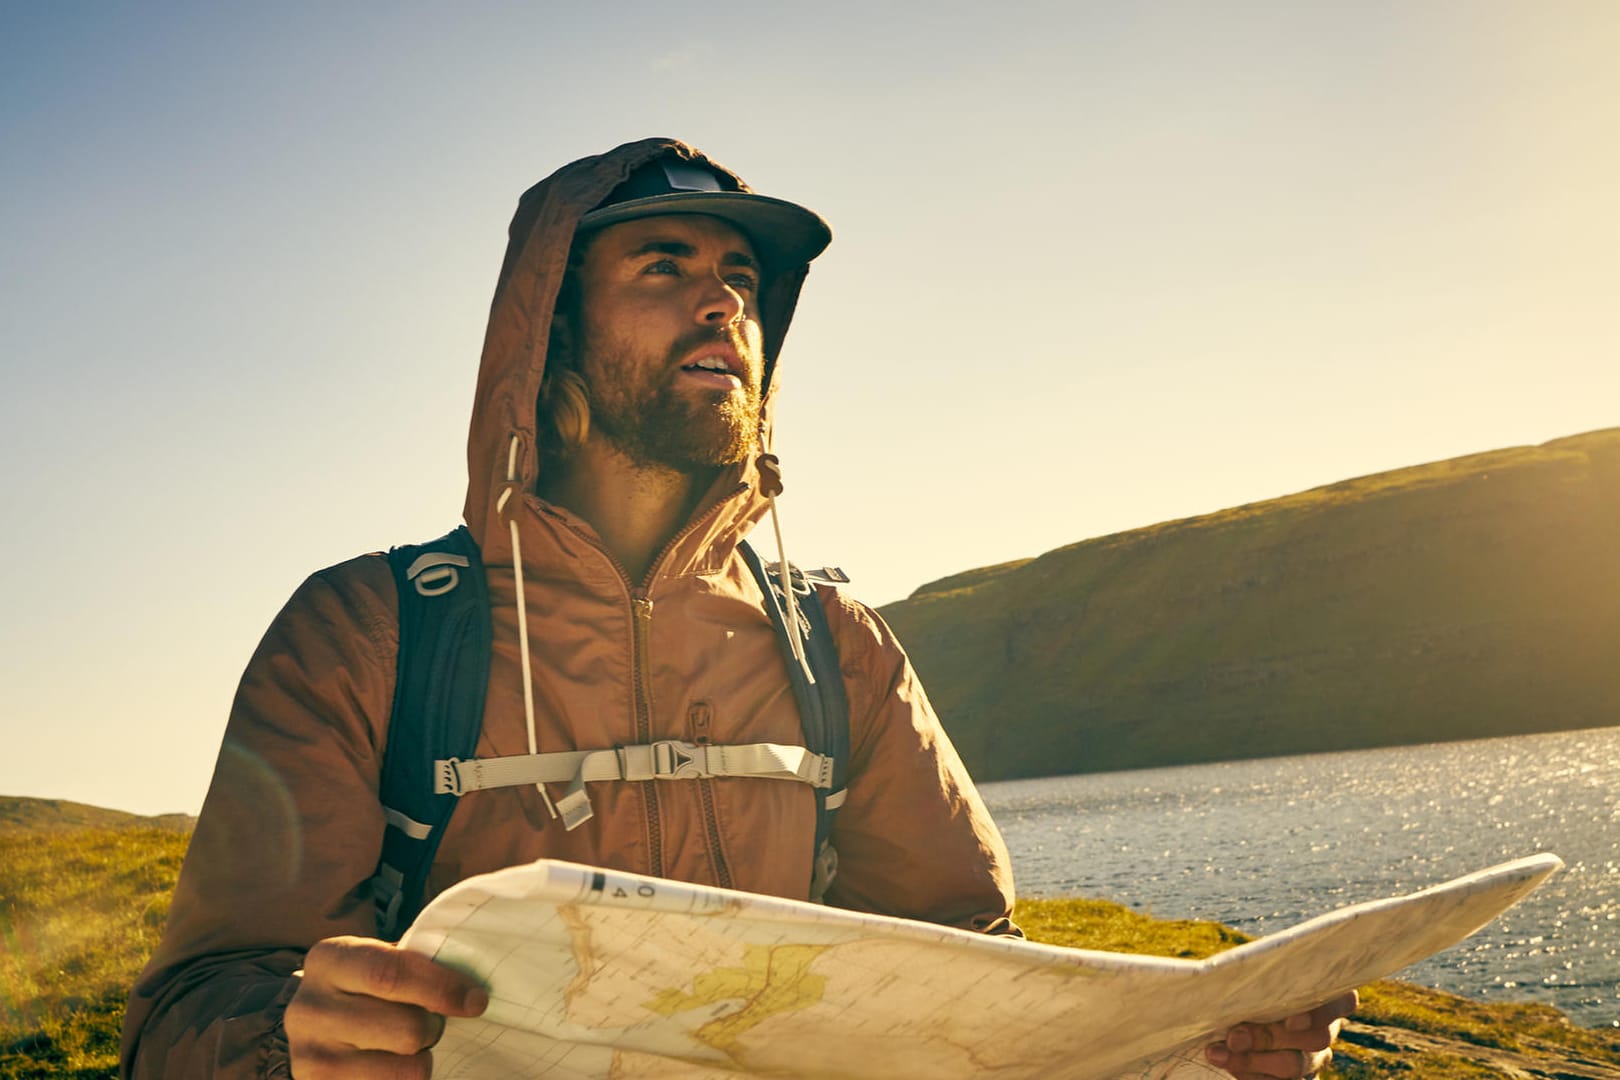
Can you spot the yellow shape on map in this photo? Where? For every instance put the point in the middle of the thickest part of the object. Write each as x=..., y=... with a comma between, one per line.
x=773, y=980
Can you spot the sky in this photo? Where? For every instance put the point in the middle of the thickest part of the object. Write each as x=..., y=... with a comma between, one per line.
x=1096, y=265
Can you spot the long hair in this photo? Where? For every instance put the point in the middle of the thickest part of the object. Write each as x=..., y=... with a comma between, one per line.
x=563, y=409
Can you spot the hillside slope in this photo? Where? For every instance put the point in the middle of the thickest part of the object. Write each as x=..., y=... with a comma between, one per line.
x=1466, y=598
x=81, y=908
x=17, y=812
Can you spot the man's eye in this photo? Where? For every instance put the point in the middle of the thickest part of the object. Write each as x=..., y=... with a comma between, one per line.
x=662, y=266
x=742, y=282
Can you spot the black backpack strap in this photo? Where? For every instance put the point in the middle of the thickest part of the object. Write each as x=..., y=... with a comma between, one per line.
x=439, y=685
x=823, y=705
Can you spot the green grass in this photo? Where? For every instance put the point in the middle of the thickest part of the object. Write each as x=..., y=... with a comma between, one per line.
x=80, y=910
x=1508, y=1026
x=1108, y=927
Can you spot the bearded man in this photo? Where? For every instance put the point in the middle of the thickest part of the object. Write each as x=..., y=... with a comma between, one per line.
x=619, y=452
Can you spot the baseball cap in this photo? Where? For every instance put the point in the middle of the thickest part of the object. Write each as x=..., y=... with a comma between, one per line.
x=784, y=234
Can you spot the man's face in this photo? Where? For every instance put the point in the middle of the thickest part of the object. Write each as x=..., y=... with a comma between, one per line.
x=670, y=345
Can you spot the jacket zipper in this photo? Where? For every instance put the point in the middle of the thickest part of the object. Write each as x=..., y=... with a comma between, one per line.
x=697, y=719
x=711, y=821
x=641, y=608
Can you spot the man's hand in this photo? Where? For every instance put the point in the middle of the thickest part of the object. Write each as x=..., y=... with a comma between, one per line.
x=365, y=1008
x=1286, y=1049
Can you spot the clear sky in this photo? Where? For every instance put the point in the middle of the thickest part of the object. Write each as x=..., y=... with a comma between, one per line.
x=1096, y=265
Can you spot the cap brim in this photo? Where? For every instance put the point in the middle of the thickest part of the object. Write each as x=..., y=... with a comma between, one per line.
x=785, y=235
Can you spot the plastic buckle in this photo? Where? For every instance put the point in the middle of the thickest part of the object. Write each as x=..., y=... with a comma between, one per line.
x=447, y=778
x=434, y=572
x=674, y=760
x=389, y=921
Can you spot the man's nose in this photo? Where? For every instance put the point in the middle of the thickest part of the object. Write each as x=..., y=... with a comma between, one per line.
x=721, y=303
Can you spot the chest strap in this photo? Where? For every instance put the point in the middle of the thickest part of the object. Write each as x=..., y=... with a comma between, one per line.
x=666, y=760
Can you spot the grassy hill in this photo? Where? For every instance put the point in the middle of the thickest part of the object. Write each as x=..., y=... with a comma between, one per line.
x=83, y=896
x=81, y=908
x=18, y=814
x=1466, y=598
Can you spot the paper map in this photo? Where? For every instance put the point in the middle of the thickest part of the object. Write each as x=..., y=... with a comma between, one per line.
x=598, y=973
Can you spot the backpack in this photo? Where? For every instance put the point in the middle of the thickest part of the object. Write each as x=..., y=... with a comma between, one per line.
x=438, y=709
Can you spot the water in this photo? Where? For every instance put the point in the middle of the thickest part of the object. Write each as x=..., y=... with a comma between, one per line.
x=1262, y=845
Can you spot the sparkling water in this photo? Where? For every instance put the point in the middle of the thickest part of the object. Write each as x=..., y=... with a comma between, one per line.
x=1261, y=845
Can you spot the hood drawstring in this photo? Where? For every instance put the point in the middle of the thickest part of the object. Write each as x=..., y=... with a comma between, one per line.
x=522, y=611
x=770, y=485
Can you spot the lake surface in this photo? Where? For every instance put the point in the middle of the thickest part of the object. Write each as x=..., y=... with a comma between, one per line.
x=1262, y=845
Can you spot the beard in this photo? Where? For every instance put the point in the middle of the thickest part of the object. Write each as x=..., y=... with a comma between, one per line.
x=637, y=406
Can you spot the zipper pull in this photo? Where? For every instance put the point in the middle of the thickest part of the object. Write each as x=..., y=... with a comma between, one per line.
x=642, y=603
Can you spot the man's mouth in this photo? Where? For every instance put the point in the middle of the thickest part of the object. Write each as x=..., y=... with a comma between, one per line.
x=718, y=370
x=710, y=363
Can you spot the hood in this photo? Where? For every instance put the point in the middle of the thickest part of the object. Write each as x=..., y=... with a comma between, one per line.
x=514, y=357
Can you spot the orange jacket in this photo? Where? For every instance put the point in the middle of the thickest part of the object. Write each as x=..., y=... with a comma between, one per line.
x=290, y=833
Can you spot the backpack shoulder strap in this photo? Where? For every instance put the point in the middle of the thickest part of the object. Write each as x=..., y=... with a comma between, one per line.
x=819, y=693
x=438, y=712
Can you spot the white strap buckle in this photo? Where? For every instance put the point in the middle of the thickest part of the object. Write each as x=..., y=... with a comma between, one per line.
x=447, y=777
x=434, y=572
x=668, y=759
